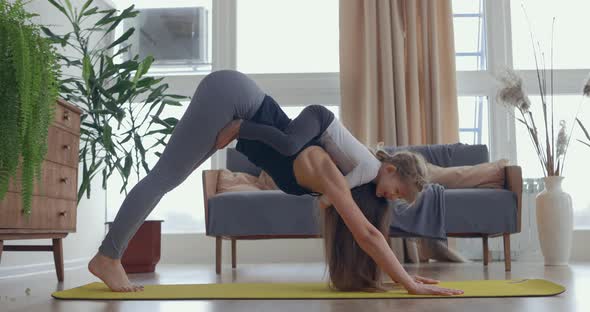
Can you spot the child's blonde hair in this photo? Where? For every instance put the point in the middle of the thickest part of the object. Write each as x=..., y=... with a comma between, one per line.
x=411, y=167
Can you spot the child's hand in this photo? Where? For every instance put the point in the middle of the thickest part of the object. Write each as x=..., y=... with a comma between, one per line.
x=423, y=289
x=228, y=133
x=424, y=280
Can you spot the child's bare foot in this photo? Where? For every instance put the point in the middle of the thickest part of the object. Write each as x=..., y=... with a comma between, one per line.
x=111, y=272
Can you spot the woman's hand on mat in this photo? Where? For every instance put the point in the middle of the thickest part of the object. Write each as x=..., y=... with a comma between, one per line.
x=228, y=133
x=423, y=289
x=424, y=280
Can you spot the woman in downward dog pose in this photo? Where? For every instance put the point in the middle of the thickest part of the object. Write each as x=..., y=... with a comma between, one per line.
x=225, y=96
x=315, y=154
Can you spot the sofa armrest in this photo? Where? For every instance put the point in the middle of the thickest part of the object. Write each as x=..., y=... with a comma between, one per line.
x=513, y=183
x=209, y=190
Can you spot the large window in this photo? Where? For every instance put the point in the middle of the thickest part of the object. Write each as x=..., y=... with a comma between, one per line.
x=286, y=36
x=570, y=47
x=473, y=119
x=470, y=34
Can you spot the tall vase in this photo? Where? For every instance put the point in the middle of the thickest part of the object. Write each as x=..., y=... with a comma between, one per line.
x=555, y=222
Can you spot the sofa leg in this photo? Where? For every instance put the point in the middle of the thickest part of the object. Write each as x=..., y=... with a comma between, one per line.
x=218, y=255
x=486, y=250
x=507, y=257
x=233, y=253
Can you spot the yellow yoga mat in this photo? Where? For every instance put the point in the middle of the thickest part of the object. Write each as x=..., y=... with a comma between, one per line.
x=475, y=288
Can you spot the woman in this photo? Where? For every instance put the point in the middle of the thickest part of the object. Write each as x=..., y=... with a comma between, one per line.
x=220, y=98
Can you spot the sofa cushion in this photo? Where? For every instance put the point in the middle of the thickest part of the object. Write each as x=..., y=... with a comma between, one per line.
x=276, y=213
x=448, y=155
x=262, y=213
x=480, y=211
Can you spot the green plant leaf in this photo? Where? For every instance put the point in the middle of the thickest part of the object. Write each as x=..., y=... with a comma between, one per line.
x=84, y=7
x=86, y=69
x=586, y=133
x=161, y=122
x=59, y=7
x=146, y=64
x=91, y=12
x=148, y=82
x=122, y=50
x=141, y=150
x=120, y=86
x=171, y=103
x=107, y=138
x=123, y=37
x=107, y=18
x=126, y=171
x=85, y=175
x=69, y=5
x=127, y=13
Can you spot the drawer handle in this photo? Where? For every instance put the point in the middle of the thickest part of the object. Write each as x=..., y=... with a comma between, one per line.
x=67, y=147
x=63, y=213
x=66, y=116
x=65, y=180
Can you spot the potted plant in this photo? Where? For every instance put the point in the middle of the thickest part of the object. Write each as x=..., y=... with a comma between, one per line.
x=28, y=93
x=553, y=205
x=123, y=108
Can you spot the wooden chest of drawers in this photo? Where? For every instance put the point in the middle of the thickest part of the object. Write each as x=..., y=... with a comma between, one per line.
x=53, y=208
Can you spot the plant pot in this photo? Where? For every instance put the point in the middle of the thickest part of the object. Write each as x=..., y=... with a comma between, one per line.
x=143, y=251
x=555, y=222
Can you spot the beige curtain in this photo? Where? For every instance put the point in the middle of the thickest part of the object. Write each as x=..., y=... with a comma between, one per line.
x=398, y=86
x=397, y=71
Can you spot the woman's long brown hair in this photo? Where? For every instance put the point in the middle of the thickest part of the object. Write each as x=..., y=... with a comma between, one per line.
x=350, y=267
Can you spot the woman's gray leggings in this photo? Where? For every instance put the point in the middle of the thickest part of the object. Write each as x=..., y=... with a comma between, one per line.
x=220, y=97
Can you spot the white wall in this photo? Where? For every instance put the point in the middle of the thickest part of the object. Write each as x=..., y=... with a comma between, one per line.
x=79, y=246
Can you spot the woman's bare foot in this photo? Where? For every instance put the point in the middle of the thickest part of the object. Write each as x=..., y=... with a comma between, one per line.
x=111, y=272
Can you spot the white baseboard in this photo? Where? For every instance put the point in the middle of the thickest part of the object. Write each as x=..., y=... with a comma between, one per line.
x=39, y=268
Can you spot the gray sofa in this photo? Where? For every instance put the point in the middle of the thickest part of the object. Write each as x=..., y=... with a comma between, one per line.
x=273, y=214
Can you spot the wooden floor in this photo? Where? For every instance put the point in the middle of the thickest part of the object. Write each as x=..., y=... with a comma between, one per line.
x=14, y=295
